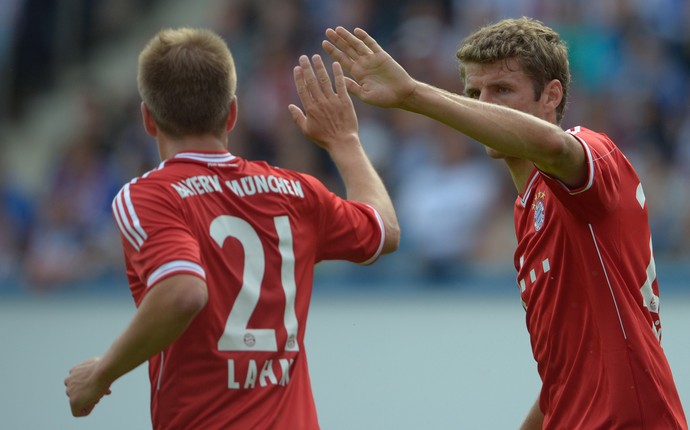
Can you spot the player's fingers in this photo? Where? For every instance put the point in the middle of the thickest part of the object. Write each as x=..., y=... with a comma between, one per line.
x=340, y=46
x=77, y=410
x=354, y=42
x=86, y=410
x=369, y=41
x=300, y=85
x=339, y=78
x=322, y=75
x=336, y=54
x=310, y=80
x=346, y=42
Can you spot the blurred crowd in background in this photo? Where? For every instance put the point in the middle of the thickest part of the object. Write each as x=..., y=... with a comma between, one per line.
x=630, y=62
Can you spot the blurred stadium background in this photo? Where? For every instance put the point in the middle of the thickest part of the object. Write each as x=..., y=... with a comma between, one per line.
x=440, y=321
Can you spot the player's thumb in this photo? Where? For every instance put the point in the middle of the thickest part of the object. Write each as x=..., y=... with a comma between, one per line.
x=353, y=87
x=297, y=115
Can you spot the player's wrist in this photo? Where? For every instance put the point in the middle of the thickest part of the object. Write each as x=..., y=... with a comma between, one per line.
x=342, y=144
x=102, y=376
x=410, y=94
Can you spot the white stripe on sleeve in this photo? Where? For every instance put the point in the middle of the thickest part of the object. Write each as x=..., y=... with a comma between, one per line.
x=123, y=221
x=172, y=267
x=133, y=214
x=383, y=238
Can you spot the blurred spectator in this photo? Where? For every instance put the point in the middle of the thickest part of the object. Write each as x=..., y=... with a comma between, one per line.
x=445, y=203
x=60, y=253
x=32, y=55
x=51, y=36
x=129, y=150
x=631, y=69
x=74, y=239
x=16, y=218
x=9, y=20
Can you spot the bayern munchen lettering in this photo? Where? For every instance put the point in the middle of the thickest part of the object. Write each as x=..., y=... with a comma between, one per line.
x=268, y=373
x=258, y=184
x=198, y=185
x=245, y=186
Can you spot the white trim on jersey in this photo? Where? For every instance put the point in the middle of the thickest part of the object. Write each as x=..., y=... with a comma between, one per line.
x=207, y=158
x=528, y=190
x=383, y=238
x=589, y=160
x=172, y=267
x=122, y=206
x=123, y=210
x=160, y=371
x=608, y=282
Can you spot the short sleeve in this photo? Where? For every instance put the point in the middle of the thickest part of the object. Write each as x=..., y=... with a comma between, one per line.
x=600, y=193
x=156, y=240
x=348, y=230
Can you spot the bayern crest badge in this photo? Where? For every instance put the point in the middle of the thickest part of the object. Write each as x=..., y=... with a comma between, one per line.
x=539, y=212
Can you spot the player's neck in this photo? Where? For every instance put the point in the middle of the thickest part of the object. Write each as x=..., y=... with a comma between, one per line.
x=520, y=172
x=168, y=147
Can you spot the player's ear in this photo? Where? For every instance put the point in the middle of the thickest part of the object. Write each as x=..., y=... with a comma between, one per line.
x=149, y=123
x=553, y=93
x=232, y=115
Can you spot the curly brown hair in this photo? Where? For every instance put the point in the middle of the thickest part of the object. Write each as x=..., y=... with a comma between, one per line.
x=537, y=48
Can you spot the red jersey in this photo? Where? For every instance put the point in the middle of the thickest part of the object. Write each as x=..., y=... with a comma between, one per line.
x=588, y=283
x=253, y=232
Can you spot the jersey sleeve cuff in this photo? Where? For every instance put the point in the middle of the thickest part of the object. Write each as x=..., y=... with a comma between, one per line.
x=382, y=227
x=175, y=268
x=589, y=161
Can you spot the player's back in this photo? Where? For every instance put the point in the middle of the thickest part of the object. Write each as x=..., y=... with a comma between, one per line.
x=255, y=232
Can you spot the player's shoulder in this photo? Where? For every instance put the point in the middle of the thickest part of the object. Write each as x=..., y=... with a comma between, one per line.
x=144, y=184
x=591, y=136
x=264, y=168
x=145, y=177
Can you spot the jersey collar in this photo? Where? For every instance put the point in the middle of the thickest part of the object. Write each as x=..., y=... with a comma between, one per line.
x=211, y=157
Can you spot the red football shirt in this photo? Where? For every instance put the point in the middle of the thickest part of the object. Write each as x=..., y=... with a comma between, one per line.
x=253, y=232
x=588, y=283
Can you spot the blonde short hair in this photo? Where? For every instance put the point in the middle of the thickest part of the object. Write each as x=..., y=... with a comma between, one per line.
x=187, y=80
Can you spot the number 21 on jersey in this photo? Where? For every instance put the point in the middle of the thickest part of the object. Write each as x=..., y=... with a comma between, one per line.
x=237, y=336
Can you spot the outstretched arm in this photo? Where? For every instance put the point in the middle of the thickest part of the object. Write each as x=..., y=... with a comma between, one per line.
x=163, y=315
x=379, y=80
x=330, y=121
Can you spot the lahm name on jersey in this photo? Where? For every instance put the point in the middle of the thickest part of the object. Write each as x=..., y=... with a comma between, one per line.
x=270, y=373
x=245, y=186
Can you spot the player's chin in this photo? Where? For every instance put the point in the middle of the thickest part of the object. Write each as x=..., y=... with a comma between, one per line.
x=495, y=154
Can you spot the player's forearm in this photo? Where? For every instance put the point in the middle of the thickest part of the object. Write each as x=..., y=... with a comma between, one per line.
x=363, y=184
x=534, y=419
x=163, y=315
x=506, y=130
